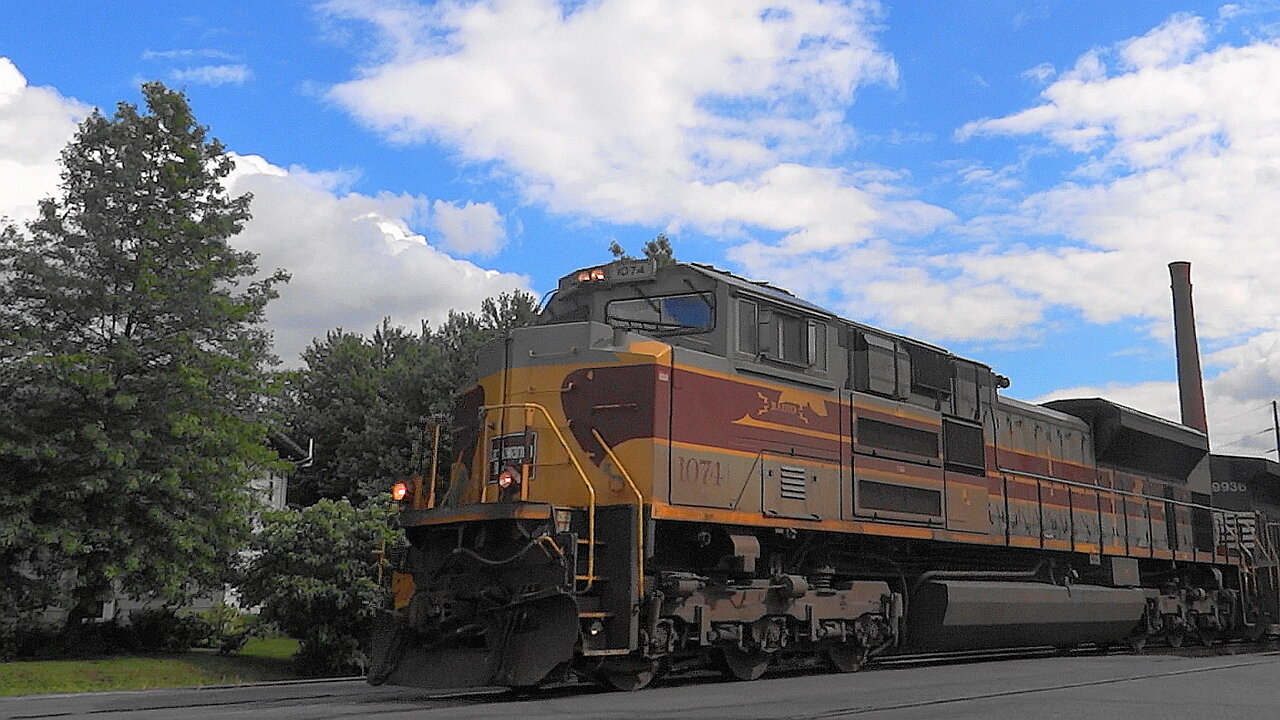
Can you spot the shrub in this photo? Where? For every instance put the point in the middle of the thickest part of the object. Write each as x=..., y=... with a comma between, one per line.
x=165, y=630
x=229, y=628
x=314, y=573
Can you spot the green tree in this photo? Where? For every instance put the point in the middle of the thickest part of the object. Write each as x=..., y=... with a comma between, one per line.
x=132, y=363
x=658, y=249
x=365, y=400
x=314, y=571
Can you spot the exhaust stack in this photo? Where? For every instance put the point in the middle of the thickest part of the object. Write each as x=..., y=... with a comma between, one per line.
x=1190, y=381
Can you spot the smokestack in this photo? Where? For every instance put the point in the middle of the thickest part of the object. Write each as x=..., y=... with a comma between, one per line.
x=1190, y=383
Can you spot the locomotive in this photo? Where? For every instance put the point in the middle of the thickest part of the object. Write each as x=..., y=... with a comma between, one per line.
x=677, y=468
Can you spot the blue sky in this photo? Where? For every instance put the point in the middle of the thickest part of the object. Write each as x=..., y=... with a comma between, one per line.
x=1006, y=179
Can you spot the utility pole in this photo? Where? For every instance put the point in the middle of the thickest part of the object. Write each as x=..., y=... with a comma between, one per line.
x=1275, y=420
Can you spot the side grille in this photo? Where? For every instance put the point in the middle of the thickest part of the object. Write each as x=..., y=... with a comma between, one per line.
x=794, y=482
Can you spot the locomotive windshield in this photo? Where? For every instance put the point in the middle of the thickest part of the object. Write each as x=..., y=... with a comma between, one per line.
x=691, y=312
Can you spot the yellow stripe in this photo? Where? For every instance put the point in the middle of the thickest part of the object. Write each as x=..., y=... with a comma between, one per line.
x=762, y=424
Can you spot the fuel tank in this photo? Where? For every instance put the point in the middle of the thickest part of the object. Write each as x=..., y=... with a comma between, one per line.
x=968, y=614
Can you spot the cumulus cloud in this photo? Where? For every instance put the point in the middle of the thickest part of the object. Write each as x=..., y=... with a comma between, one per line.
x=722, y=116
x=1171, y=43
x=354, y=258
x=215, y=75
x=1185, y=165
x=469, y=229
x=1178, y=151
x=725, y=117
x=35, y=123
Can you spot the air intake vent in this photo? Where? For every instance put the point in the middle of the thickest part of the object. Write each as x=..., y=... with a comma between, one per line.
x=794, y=480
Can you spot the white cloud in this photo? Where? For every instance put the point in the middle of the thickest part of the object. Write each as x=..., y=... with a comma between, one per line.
x=1171, y=43
x=1179, y=160
x=35, y=124
x=470, y=229
x=724, y=117
x=718, y=115
x=1186, y=165
x=214, y=75
x=186, y=54
x=354, y=258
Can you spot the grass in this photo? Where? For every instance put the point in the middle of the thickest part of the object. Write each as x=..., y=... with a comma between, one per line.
x=260, y=660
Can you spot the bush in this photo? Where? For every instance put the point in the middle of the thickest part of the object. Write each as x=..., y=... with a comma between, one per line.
x=165, y=630
x=229, y=628
x=324, y=652
x=314, y=573
x=30, y=640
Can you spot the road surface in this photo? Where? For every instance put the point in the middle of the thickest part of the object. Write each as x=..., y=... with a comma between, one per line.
x=1128, y=687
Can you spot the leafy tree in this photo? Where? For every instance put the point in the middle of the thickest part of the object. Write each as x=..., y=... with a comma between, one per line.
x=658, y=249
x=132, y=361
x=314, y=571
x=365, y=400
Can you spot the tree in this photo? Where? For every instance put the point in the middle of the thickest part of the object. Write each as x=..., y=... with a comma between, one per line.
x=132, y=364
x=365, y=400
x=314, y=571
x=658, y=249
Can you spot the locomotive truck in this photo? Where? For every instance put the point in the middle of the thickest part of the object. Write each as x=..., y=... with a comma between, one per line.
x=677, y=468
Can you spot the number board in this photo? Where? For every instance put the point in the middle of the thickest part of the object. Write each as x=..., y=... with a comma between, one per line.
x=631, y=271
x=513, y=450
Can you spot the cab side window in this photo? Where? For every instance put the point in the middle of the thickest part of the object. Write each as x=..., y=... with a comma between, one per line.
x=794, y=340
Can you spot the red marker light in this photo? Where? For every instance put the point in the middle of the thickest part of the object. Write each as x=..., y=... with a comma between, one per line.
x=399, y=491
x=597, y=274
x=584, y=276
x=507, y=478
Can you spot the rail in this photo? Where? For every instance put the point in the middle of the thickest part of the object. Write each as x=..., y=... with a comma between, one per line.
x=639, y=509
x=582, y=475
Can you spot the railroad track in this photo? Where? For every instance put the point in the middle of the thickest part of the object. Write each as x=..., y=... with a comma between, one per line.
x=283, y=694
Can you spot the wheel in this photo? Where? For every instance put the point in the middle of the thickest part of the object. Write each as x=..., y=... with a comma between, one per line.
x=627, y=680
x=627, y=674
x=844, y=657
x=744, y=664
x=1138, y=643
x=1175, y=638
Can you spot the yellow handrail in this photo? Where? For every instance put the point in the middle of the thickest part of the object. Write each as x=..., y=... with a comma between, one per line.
x=582, y=474
x=639, y=508
x=435, y=460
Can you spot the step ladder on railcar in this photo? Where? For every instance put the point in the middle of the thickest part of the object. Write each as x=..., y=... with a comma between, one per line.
x=609, y=557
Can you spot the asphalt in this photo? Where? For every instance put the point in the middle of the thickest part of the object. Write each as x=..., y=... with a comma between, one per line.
x=1122, y=687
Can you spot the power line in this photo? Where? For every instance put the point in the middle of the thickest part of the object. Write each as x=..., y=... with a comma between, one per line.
x=1241, y=440
x=1263, y=406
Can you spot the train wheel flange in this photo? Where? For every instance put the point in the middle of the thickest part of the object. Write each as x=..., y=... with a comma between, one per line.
x=742, y=664
x=1175, y=638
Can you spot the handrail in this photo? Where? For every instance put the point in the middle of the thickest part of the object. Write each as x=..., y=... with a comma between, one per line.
x=1116, y=491
x=1219, y=512
x=639, y=508
x=582, y=474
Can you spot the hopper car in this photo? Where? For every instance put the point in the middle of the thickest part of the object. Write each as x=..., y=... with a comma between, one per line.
x=676, y=468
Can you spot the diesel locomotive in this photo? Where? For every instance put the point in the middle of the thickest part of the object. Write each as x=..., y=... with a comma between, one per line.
x=677, y=468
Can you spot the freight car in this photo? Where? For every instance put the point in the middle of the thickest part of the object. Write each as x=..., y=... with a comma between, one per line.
x=678, y=468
